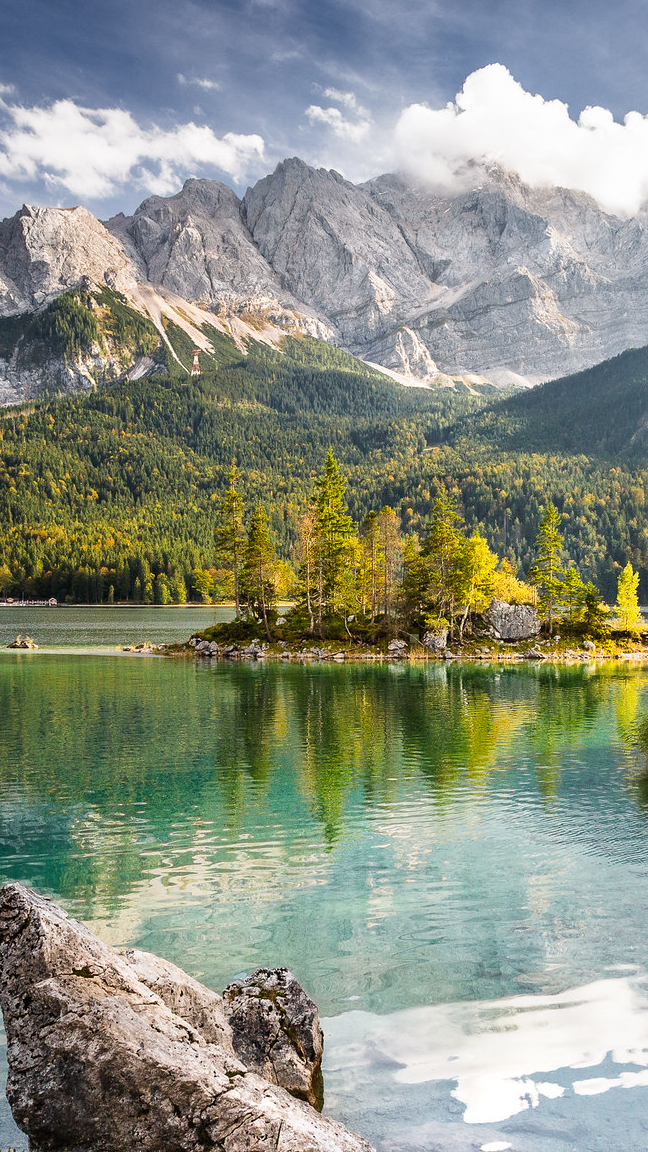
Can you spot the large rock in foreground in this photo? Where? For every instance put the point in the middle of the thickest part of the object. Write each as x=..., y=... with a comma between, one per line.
x=276, y=1031
x=109, y=1052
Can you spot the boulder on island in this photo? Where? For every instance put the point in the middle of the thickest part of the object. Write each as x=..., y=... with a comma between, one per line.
x=109, y=1051
x=435, y=639
x=512, y=621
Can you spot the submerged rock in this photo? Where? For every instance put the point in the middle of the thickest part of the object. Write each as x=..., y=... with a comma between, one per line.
x=109, y=1052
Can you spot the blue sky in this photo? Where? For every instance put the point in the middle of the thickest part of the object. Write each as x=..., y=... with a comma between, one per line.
x=329, y=81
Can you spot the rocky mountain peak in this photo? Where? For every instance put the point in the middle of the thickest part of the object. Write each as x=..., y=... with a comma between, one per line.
x=46, y=251
x=502, y=280
x=197, y=245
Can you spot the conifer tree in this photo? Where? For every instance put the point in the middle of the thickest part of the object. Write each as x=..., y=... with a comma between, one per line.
x=596, y=614
x=573, y=595
x=628, y=617
x=371, y=539
x=230, y=535
x=442, y=552
x=259, y=568
x=547, y=572
x=333, y=529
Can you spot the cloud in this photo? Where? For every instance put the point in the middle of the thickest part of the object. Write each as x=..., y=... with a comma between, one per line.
x=347, y=100
x=207, y=85
x=346, y=129
x=92, y=152
x=494, y=120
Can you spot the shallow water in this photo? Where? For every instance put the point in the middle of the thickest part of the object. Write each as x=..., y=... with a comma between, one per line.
x=452, y=859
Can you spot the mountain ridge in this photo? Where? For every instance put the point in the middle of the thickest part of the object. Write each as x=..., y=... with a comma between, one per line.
x=500, y=282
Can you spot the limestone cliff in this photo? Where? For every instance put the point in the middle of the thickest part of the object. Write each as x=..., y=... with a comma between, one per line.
x=505, y=282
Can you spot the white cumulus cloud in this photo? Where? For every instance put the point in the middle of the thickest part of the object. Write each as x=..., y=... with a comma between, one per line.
x=494, y=120
x=352, y=130
x=91, y=152
x=347, y=100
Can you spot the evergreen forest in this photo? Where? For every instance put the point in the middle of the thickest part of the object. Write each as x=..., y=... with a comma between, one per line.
x=118, y=494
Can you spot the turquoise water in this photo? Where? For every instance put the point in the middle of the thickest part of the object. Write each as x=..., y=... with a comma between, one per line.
x=452, y=859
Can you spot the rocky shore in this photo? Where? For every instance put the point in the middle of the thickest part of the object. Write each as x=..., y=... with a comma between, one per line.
x=112, y=1050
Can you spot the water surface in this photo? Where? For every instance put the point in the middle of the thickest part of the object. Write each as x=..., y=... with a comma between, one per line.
x=105, y=628
x=454, y=861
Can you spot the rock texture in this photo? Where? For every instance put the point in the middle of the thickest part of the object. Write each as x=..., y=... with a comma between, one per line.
x=512, y=621
x=109, y=1052
x=276, y=1031
x=46, y=251
x=435, y=641
x=504, y=282
x=196, y=244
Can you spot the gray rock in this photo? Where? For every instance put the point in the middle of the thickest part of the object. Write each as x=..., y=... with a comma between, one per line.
x=184, y=996
x=435, y=641
x=397, y=647
x=535, y=654
x=500, y=281
x=589, y=645
x=46, y=251
x=105, y=1053
x=276, y=1031
x=512, y=621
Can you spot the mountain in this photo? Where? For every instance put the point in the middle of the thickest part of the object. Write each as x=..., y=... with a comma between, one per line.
x=600, y=413
x=502, y=282
x=516, y=284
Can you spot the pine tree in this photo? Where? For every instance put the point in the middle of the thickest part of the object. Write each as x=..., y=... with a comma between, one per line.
x=628, y=617
x=442, y=552
x=573, y=595
x=596, y=614
x=230, y=535
x=370, y=539
x=259, y=568
x=546, y=571
x=333, y=529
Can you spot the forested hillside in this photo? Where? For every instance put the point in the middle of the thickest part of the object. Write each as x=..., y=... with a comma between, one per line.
x=602, y=412
x=108, y=489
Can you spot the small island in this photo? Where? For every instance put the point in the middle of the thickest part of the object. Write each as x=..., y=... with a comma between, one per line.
x=368, y=592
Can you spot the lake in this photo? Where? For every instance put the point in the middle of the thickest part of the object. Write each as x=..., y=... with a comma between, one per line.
x=103, y=628
x=452, y=859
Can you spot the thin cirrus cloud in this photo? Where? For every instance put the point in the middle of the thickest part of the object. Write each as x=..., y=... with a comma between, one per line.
x=199, y=82
x=92, y=152
x=493, y=120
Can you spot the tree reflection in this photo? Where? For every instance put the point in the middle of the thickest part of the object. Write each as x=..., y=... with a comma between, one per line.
x=116, y=771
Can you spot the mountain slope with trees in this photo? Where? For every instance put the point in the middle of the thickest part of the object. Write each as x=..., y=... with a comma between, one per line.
x=121, y=488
